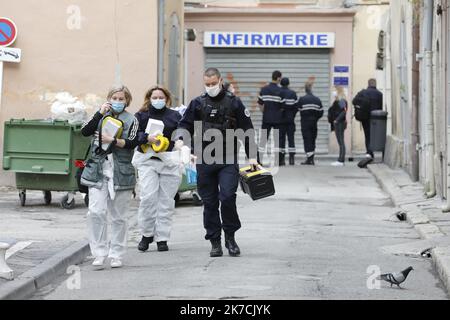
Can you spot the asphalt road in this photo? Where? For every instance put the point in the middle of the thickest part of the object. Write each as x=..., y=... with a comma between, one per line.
x=317, y=238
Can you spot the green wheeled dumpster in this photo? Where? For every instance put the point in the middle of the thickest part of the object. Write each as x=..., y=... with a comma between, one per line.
x=43, y=154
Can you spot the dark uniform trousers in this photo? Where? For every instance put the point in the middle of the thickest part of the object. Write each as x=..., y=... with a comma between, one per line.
x=366, y=127
x=218, y=182
x=268, y=127
x=287, y=129
x=309, y=133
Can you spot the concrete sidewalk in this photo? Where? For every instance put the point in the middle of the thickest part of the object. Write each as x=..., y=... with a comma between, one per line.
x=44, y=240
x=424, y=214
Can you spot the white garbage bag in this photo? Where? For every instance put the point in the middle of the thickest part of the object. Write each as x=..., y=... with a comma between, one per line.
x=181, y=109
x=67, y=107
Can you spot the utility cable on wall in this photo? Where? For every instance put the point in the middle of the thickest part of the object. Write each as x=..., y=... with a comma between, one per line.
x=118, y=73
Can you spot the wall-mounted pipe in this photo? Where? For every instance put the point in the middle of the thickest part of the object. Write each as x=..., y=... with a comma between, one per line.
x=430, y=190
x=414, y=152
x=161, y=34
x=446, y=207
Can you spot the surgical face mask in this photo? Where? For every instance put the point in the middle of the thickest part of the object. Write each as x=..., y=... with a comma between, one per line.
x=335, y=94
x=213, y=91
x=118, y=107
x=158, y=103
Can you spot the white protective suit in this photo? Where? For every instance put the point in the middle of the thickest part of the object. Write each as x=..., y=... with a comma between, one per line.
x=158, y=183
x=102, y=201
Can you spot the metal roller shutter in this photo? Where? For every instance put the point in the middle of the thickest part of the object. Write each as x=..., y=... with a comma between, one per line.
x=250, y=69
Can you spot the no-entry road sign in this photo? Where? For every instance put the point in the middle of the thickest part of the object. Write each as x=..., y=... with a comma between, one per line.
x=8, y=32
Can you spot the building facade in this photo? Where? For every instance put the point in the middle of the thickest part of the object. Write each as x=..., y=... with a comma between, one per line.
x=84, y=47
x=419, y=96
x=248, y=60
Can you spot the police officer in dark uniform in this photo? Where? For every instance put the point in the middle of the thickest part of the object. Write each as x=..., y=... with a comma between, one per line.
x=376, y=103
x=311, y=110
x=289, y=112
x=270, y=101
x=217, y=182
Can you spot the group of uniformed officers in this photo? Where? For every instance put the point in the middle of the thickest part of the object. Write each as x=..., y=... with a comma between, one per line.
x=280, y=106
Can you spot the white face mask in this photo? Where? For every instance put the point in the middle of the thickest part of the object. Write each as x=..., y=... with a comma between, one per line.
x=158, y=103
x=213, y=91
x=335, y=94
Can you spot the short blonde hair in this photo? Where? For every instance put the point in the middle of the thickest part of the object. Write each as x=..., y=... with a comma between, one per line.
x=121, y=88
x=340, y=92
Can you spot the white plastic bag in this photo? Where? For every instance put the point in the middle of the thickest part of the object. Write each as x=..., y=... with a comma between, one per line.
x=67, y=107
x=181, y=109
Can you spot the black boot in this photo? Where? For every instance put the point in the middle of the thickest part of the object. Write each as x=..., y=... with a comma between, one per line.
x=281, y=157
x=216, y=250
x=231, y=245
x=292, y=159
x=162, y=246
x=309, y=161
x=143, y=245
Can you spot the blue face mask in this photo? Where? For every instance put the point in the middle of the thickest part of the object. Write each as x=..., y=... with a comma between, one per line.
x=158, y=103
x=118, y=107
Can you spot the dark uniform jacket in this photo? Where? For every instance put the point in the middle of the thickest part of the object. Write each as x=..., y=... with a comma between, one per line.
x=310, y=107
x=290, y=101
x=271, y=97
x=376, y=98
x=223, y=112
x=169, y=117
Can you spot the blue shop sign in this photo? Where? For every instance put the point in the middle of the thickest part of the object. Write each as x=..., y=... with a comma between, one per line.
x=269, y=40
x=341, y=81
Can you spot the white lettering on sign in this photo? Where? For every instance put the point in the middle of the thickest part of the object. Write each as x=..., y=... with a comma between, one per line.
x=10, y=54
x=269, y=40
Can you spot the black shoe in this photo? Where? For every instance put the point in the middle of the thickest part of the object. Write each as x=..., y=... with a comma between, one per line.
x=309, y=161
x=162, y=246
x=363, y=163
x=143, y=245
x=231, y=245
x=281, y=160
x=292, y=159
x=216, y=250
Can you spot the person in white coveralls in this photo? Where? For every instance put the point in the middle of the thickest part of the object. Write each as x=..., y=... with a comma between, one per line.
x=159, y=171
x=110, y=176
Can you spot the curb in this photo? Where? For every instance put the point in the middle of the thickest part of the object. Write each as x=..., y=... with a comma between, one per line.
x=34, y=279
x=441, y=261
x=426, y=229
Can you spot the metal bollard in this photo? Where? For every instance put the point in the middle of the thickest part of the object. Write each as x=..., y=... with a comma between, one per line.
x=5, y=270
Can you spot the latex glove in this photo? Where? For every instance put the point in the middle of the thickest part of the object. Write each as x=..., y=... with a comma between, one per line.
x=106, y=107
x=152, y=139
x=254, y=163
x=178, y=145
x=105, y=138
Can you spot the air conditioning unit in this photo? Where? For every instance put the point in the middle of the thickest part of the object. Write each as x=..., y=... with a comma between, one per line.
x=380, y=61
x=190, y=34
x=381, y=41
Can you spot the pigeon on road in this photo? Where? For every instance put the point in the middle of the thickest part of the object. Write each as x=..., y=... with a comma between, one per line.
x=396, y=278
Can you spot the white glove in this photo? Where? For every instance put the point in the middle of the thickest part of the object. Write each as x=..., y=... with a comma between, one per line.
x=178, y=145
x=254, y=163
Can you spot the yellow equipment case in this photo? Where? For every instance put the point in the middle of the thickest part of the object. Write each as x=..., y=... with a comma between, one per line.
x=257, y=184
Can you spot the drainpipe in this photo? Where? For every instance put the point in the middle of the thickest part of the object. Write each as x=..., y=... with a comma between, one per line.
x=428, y=97
x=161, y=29
x=415, y=97
x=446, y=207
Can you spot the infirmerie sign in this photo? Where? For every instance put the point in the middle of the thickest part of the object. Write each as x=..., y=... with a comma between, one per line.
x=269, y=40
